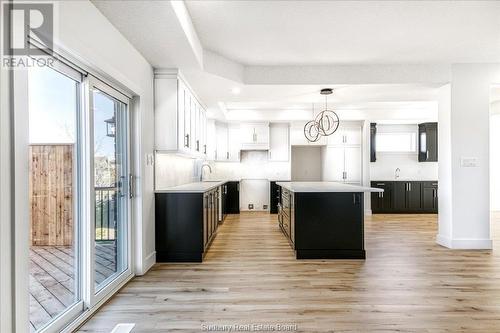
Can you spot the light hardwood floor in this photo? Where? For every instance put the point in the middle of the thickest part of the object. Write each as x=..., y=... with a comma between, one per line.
x=408, y=283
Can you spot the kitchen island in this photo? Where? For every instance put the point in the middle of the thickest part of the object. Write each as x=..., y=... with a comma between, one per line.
x=323, y=220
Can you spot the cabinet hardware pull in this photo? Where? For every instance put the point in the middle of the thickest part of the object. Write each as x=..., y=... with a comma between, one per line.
x=409, y=187
x=381, y=184
x=227, y=155
x=204, y=149
x=197, y=145
x=381, y=194
x=427, y=155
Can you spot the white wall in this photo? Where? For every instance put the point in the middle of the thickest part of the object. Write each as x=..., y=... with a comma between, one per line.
x=386, y=164
x=306, y=164
x=6, y=214
x=87, y=35
x=467, y=224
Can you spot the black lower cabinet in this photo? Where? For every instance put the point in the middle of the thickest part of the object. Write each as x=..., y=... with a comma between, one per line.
x=430, y=196
x=382, y=201
x=405, y=197
x=274, y=197
x=186, y=224
x=223, y=207
x=233, y=198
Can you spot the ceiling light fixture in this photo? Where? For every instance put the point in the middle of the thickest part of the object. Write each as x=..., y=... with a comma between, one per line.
x=236, y=90
x=324, y=124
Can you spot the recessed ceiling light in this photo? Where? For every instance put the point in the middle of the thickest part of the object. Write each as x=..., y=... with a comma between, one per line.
x=236, y=90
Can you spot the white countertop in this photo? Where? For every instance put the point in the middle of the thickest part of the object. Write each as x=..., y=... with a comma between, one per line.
x=196, y=187
x=325, y=187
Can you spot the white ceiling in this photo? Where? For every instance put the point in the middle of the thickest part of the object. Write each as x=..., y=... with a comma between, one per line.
x=235, y=35
x=349, y=32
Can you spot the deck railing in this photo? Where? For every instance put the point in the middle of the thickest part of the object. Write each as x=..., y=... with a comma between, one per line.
x=105, y=213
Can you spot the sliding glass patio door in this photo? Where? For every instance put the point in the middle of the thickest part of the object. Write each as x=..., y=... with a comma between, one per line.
x=111, y=186
x=79, y=196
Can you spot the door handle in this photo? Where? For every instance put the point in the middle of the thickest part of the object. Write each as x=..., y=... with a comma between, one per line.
x=131, y=188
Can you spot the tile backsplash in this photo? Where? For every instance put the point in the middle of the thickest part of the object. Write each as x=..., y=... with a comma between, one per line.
x=173, y=170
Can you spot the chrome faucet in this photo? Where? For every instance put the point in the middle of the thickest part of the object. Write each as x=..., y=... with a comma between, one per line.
x=396, y=173
x=201, y=170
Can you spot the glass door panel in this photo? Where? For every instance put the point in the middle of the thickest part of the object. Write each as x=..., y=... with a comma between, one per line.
x=54, y=253
x=110, y=160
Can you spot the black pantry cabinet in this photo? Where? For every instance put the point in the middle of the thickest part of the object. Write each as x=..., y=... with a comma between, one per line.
x=405, y=197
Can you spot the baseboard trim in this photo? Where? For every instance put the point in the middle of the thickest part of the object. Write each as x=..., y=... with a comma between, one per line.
x=149, y=261
x=464, y=243
x=368, y=212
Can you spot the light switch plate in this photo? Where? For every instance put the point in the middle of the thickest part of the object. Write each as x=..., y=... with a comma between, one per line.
x=469, y=162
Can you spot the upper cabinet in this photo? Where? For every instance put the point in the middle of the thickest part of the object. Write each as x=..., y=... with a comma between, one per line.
x=428, y=142
x=346, y=135
x=373, y=142
x=227, y=147
x=279, y=147
x=297, y=137
x=180, y=119
x=233, y=142
x=211, y=139
x=254, y=136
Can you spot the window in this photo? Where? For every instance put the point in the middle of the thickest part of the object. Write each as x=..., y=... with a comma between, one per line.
x=404, y=142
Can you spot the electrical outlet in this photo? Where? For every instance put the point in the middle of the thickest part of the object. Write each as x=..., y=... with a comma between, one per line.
x=264, y=207
x=250, y=206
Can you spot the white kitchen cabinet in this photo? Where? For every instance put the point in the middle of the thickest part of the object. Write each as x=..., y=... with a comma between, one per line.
x=279, y=146
x=333, y=164
x=346, y=135
x=211, y=140
x=297, y=137
x=221, y=151
x=203, y=132
x=178, y=116
x=233, y=142
x=352, y=165
x=254, y=136
x=341, y=164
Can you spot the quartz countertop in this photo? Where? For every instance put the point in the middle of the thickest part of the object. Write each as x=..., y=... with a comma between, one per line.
x=196, y=187
x=325, y=187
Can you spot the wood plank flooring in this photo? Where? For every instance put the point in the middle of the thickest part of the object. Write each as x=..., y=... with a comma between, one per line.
x=408, y=283
x=52, y=274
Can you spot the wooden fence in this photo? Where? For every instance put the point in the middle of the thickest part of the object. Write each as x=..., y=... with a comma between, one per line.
x=51, y=194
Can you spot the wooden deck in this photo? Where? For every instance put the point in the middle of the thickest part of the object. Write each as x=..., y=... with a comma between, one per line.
x=52, y=279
